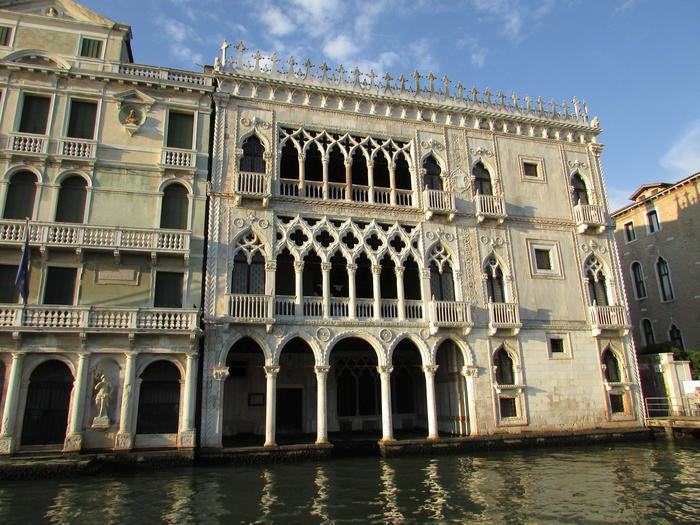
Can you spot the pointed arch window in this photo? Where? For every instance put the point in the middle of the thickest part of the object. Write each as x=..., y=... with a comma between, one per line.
x=597, y=284
x=380, y=171
x=289, y=163
x=253, y=159
x=313, y=165
x=432, y=179
x=285, y=274
x=248, y=276
x=579, y=192
x=359, y=168
x=336, y=165
x=71, y=200
x=640, y=287
x=675, y=336
x=21, y=193
x=495, y=288
x=664, y=274
x=442, y=286
x=402, y=173
x=648, y=332
x=503, y=367
x=482, y=180
x=174, y=207
x=612, y=367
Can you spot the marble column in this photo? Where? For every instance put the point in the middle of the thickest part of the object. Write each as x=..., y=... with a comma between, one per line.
x=399, y=271
x=426, y=293
x=74, y=436
x=392, y=183
x=299, y=288
x=271, y=372
x=470, y=373
x=8, y=442
x=387, y=425
x=377, y=290
x=186, y=437
x=352, y=293
x=324, y=163
x=326, y=275
x=321, y=411
x=302, y=176
x=370, y=181
x=125, y=436
x=429, y=371
x=348, y=180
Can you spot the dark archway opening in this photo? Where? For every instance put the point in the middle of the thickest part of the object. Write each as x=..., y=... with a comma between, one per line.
x=450, y=391
x=296, y=394
x=159, y=399
x=48, y=401
x=408, y=401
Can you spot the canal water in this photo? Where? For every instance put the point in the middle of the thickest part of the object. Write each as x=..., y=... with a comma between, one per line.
x=637, y=483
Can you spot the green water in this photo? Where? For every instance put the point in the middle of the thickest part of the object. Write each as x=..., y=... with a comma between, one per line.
x=641, y=483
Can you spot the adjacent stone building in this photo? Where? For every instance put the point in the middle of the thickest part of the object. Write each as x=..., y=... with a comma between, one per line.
x=103, y=165
x=658, y=240
x=408, y=258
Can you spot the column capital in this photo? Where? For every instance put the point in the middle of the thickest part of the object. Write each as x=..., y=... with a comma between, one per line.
x=376, y=269
x=385, y=369
x=322, y=369
x=298, y=266
x=271, y=265
x=425, y=273
x=220, y=373
x=399, y=270
x=470, y=371
x=271, y=370
x=326, y=266
x=430, y=369
x=352, y=267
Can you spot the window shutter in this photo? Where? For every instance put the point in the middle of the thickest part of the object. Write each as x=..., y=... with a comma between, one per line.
x=174, y=209
x=180, y=126
x=81, y=124
x=71, y=200
x=35, y=114
x=19, y=203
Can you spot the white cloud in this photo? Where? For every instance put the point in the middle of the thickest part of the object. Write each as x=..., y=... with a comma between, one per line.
x=684, y=154
x=180, y=36
x=512, y=14
x=276, y=22
x=340, y=48
x=478, y=55
x=618, y=197
x=626, y=5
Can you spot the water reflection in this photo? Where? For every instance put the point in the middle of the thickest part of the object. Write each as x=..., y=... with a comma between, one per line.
x=649, y=483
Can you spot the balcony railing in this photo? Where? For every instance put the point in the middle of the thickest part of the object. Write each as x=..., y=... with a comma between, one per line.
x=608, y=318
x=285, y=306
x=97, y=318
x=364, y=309
x=439, y=202
x=27, y=143
x=338, y=191
x=504, y=316
x=450, y=314
x=184, y=77
x=184, y=159
x=252, y=184
x=250, y=308
x=312, y=307
x=413, y=310
x=83, y=236
x=490, y=207
x=78, y=149
x=589, y=216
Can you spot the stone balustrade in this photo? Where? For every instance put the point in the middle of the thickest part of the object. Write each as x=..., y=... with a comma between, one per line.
x=450, y=314
x=175, y=158
x=77, y=149
x=589, y=216
x=159, y=73
x=97, y=318
x=607, y=318
x=83, y=236
x=250, y=308
x=439, y=202
x=504, y=316
x=490, y=207
x=28, y=144
x=251, y=184
x=338, y=191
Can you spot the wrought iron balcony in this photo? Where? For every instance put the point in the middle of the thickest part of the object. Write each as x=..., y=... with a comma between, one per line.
x=100, y=238
x=450, y=314
x=504, y=317
x=589, y=217
x=438, y=202
x=608, y=318
x=490, y=207
x=49, y=318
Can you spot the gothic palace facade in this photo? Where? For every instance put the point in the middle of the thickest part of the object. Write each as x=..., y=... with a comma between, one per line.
x=341, y=255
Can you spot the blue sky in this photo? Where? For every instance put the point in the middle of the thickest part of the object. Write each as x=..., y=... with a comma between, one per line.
x=636, y=62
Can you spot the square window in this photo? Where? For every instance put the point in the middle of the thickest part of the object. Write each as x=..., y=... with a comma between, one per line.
x=543, y=259
x=530, y=169
x=653, y=221
x=556, y=345
x=630, y=234
x=35, y=114
x=168, y=291
x=5, y=35
x=617, y=404
x=91, y=48
x=60, y=285
x=508, y=407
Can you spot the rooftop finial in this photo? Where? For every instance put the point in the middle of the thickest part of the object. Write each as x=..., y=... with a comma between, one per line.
x=240, y=47
x=224, y=46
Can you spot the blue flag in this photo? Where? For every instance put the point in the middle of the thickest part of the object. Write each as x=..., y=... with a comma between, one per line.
x=22, y=279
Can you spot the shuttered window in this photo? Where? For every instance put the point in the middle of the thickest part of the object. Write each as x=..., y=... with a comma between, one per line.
x=19, y=203
x=81, y=123
x=35, y=114
x=71, y=200
x=91, y=48
x=5, y=35
x=8, y=290
x=174, y=208
x=180, y=127
x=168, y=292
x=60, y=285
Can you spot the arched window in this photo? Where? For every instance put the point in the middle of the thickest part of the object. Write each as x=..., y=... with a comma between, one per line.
x=482, y=180
x=71, y=200
x=648, y=332
x=48, y=399
x=19, y=203
x=411, y=280
x=612, y=367
x=253, y=155
x=503, y=364
x=432, y=179
x=664, y=275
x=640, y=288
x=312, y=277
x=248, y=276
x=675, y=336
x=579, y=193
x=402, y=173
x=284, y=274
x=359, y=168
x=339, y=276
x=597, y=286
x=387, y=278
x=495, y=289
x=380, y=171
x=289, y=163
x=442, y=287
x=336, y=165
x=159, y=399
x=313, y=165
x=174, y=208
x=363, y=277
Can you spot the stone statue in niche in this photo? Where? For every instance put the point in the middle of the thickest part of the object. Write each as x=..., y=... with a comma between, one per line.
x=103, y=392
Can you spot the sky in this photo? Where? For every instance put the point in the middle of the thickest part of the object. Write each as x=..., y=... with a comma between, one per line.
x=636, y=62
